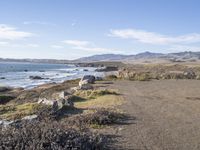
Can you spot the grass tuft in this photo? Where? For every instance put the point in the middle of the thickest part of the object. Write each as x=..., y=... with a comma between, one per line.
x=13, y=112
x=92, y=94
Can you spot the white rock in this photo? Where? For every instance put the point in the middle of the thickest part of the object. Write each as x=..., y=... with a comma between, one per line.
x=45, y=101
x=5, y=122
x=83, y=82
x=31, y=117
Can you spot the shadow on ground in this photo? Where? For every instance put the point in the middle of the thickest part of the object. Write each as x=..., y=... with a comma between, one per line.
x=113, y=140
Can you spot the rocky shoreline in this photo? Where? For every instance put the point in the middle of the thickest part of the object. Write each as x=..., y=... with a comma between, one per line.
x=79, y=105
x=61, y=92
x=64, y=106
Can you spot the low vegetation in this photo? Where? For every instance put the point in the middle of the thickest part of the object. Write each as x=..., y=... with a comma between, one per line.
x=5, y=99
x=48, y=134
x=96, y=118
x=159, y=72
x=14, y=111
x=66, y=133
x=107, y=101
x=92, y=94
x=104, y=117
x=97, y=98
x=59, y=129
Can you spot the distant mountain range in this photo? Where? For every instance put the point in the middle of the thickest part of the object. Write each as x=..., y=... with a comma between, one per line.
x=181, y=56
x=103, y=57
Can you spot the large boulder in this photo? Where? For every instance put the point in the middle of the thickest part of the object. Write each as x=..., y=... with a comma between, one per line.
x=57, y=100
x=86, y=81
x=83, y=82
x=65, y=102
x=88, y=78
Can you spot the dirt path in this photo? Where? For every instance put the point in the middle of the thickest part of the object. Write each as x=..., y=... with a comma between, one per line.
x=167, y=115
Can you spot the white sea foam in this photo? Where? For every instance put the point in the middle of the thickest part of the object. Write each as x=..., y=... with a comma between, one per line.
x=18, y=75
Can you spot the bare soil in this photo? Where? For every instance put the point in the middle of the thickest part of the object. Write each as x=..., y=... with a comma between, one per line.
x=165, y=115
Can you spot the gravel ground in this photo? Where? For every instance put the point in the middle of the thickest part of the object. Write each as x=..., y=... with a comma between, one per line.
x=167, y=115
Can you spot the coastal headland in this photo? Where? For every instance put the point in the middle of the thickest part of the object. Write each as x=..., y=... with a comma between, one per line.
x=134, y=106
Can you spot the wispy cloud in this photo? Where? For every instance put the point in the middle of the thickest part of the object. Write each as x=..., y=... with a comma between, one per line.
x=15, y=45
x=154, y=38
x=24, y=45
x=88, y=46
x=77, y=43
x=57, y=46
x=38, y=22
x=32, y=45
x=11, y=33
x=2, y=43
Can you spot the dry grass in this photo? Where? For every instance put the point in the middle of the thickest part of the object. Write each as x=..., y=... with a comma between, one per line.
x=12, y=112
x=101, y=98
x=92, y=94
x=106, y=101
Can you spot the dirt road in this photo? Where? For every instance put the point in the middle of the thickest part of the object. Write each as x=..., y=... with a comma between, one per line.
x=167, y=115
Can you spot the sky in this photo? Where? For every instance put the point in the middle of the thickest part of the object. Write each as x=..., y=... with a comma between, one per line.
x=70, y=29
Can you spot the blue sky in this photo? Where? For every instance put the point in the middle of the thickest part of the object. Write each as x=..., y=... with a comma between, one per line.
x=68, y=29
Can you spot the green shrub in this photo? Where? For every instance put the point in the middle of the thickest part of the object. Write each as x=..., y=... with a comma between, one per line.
x=5, y=99
x=48, y=134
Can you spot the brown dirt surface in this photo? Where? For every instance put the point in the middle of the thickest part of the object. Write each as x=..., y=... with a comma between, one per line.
x=166, y=112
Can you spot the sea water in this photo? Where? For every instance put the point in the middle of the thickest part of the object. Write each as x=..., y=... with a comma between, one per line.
x=17, y=74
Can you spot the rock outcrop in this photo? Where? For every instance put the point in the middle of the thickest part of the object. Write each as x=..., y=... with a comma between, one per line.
x=36, y=78
x=86, y=81
x=107, y=69
x=88, y=78
x=57, y=100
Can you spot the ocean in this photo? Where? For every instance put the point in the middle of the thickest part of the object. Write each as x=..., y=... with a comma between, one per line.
x=15, y=74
